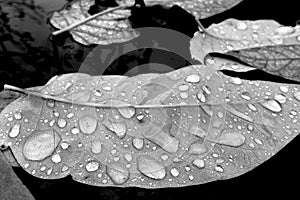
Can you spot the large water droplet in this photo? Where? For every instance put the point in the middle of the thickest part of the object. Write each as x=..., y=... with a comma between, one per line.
x=272, y=105
x=174, y=172
x=15, y=130
x=117, y=173
x=87, y=124
x=56, y=158
x=231, y=139
x=284, y=30
x=40, y=145
x=127, y=112
x=199, y=163
x=193, y=78
x=280, y=98
x=138, y=143
x=151, y=168
x=96, y=146
x=92, y=166
x=119, y=128
x=61, y=122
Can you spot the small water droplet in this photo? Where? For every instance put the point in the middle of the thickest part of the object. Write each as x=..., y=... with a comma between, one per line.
x=70, y=115
x=64, y=145
x=56, y=158
x=50, y=103
x=183, y=87
x=138, y=143
x=241, y=26
x=96, y=146
x=201, y=97
x=193, y=78
x=199, y=163
x=75, y=130
x=15, y=130
x=280, y=98
x=277, y=41
x=297, y=96
x=174, y=172
x=61, y=122
x=92, y=166
x=219, y=168
x=283, y=88
x=246, y=95
x=235, y=80
x=284, y=30
x=229, y=47
x=251, y=107
x=18, y=115
x=184, y=95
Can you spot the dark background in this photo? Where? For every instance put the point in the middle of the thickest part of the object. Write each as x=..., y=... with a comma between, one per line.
x=29, y=58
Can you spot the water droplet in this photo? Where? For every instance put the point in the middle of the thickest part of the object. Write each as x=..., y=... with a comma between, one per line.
x=127, y=112
x=258, y=141
x=96, y=146
x=88, y=124
x=219, y=168
x=128, y=157
x=199, y=163
x=297, y=96
x=64, y=168
x=150, y=167
x=18, y=115
x=56, y=114
x=92, y=166
x=206, y=89
x=298, y=38
x=117, y=173
x=52, y=122
x=61, y=122
x=246, y=95
x=97, y=93
x=75, y=130
x=251, y=107
x=70, y=115
x=140, y=117
x=43, y=168
x=138, y=143
x=280, y=98
x=50, y=103
x=184, y=95
x=210, y=60
x=272, y=105
x=201, y=97
x=229, y=47
x=56, y=158
x=174, y=172
x=220, y=114
x=193, y=78
x=235, y=80
x=49, y=171
x=283, y=88
x=197, y=148
x=107, y=88
x=40, y=145
x=119, y=128
x=231, y=139
x=15, y=130
x=64, y=145
x=183, y=87
x=241, y=26
x=255, y=26
x=284, y=30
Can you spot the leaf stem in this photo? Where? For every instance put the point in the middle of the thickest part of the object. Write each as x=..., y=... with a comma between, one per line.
x=200, y=26
x=88, y=19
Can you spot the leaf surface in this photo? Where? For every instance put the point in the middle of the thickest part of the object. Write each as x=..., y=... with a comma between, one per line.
x=109, y=28
x=235, y=35
x=192, y=126
x=199, y=8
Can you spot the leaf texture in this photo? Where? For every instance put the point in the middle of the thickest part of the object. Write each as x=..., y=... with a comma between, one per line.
x=187, y=127
x=199, y=8
x=234, y=35
x=109, y=28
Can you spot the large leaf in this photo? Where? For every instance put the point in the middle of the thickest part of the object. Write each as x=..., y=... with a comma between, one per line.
x=190, y=126
x=112, y=27
x=233, y=35
x=199, y=8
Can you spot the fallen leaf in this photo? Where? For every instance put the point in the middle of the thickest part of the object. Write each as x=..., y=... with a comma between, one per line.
x=111, y=130
x=235, y=35
x=199, y=8
x=112, y=27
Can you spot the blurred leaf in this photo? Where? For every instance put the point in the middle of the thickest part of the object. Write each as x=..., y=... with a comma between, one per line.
x=199, y=8
x=109, y=28
x=263, y=44
x=281, y=60
x=11, y=187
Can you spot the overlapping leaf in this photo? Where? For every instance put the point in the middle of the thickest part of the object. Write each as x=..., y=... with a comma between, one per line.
x=147, y=130
x=263, y=44
x=112, y=27
x=199, y=8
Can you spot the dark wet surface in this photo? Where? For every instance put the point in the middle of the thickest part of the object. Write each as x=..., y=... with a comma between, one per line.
x=30, y=57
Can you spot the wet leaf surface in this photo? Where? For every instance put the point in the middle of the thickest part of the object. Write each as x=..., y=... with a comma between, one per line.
x=199, y=8
x=263, y=44
x=112, y=27
x=91, y=127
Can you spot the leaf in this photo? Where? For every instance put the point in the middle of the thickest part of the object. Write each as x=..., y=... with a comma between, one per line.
x=199, y=8
x=234, y=35
x=148, y=129
x=109, y=28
